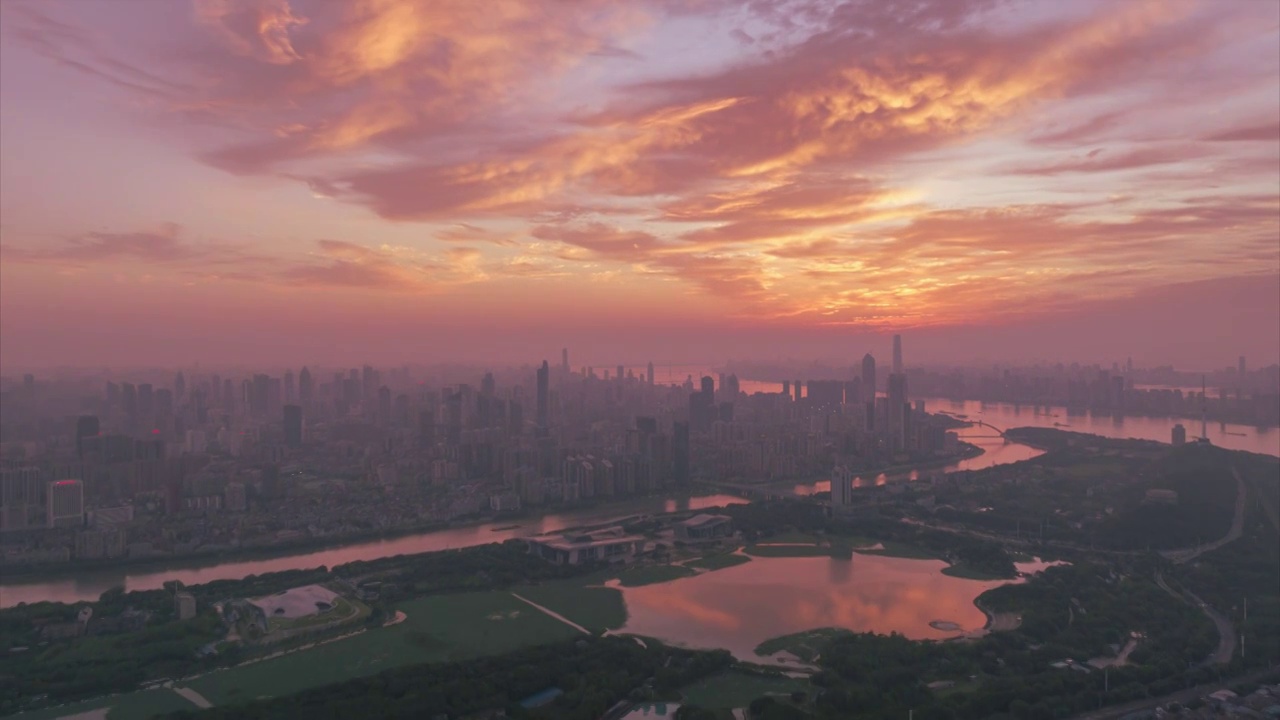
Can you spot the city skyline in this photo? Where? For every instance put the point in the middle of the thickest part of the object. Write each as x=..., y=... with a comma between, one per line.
x=262, y=181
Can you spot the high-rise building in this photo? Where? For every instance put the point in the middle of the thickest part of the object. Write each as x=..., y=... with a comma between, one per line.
x=65, y=504
x=1179, y=435
x=564, y=360
x=306, y=387
x=702, y=406
x=86, y=426
x=129, y=399
x=899, y=412
x=544, y=378
x=869, y=377
x=842, y=486
x=798, y=387
x=23, y=492
x=650, y=372
x=622, y=376
x=293, y=425
x=786, y=388
x=146, y=401
x=897, y=354
x=732, y=387
x=680, y=454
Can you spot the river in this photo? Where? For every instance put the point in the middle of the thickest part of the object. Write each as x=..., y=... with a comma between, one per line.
x=90, y=584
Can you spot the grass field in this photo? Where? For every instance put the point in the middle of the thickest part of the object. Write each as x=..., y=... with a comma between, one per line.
x=134, y=706
x=786, y=551
x=964, y=571
x=718, y=562
x=440, y=628
x=737, y=689
x=650, y=574
x=594, y=608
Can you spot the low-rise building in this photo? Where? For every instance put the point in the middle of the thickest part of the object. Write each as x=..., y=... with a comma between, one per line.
x=612, y=544
x=704, y=527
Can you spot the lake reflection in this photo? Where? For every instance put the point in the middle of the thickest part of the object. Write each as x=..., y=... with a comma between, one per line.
x=737, y=608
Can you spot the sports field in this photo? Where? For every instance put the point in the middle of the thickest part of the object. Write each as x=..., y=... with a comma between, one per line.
x=133, y=706
x=596, y=608
x=440, y=628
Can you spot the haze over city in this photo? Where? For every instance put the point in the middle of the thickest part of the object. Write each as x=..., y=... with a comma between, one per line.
x=388, y=181
x=640, y=359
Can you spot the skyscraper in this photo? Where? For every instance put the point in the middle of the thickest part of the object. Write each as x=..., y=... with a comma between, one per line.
x=869, y=377
x=544, y=376
x=86, y=426
x=306, y=388
x=650, y=370
x=680, y=453
x=564, y=360
x=798, y=387
x=293, y=425
x=899, y=411
x=65, y=503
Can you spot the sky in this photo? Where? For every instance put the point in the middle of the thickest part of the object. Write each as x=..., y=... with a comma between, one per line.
x=277, y=181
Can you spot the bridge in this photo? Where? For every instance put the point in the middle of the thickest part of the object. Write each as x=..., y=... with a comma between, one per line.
x=999, y=433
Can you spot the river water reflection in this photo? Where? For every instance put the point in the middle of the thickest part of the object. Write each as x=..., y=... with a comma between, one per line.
x=90, y=585
x=738, y=608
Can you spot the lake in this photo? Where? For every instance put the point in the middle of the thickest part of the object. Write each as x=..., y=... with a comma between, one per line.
x=739, y=607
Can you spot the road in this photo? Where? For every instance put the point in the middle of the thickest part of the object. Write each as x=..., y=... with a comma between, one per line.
x=1237, y=528
x=1226, y=632
x=1182, y=696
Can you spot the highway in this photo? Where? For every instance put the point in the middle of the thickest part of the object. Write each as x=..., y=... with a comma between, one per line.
x=1226, y=631
x=1237, y=528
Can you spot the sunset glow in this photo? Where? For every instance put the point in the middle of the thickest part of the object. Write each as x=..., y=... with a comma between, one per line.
x=714, y=174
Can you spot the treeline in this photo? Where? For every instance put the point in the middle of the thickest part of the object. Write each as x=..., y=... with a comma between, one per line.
x=761, y=520
x=1075, y=612
x=1242, y=579
x=482, y=567
x=593, y=674
x=92, y=665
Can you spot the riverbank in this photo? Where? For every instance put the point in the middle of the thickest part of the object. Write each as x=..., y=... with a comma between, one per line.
x=503, y=526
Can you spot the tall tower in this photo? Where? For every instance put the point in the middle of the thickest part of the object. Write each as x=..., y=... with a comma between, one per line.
x=1204, y=411
x=869, y=377
x=564, y=360
x=305, y=387
x=544, y=373
x=897, y=354
x=650, y=370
